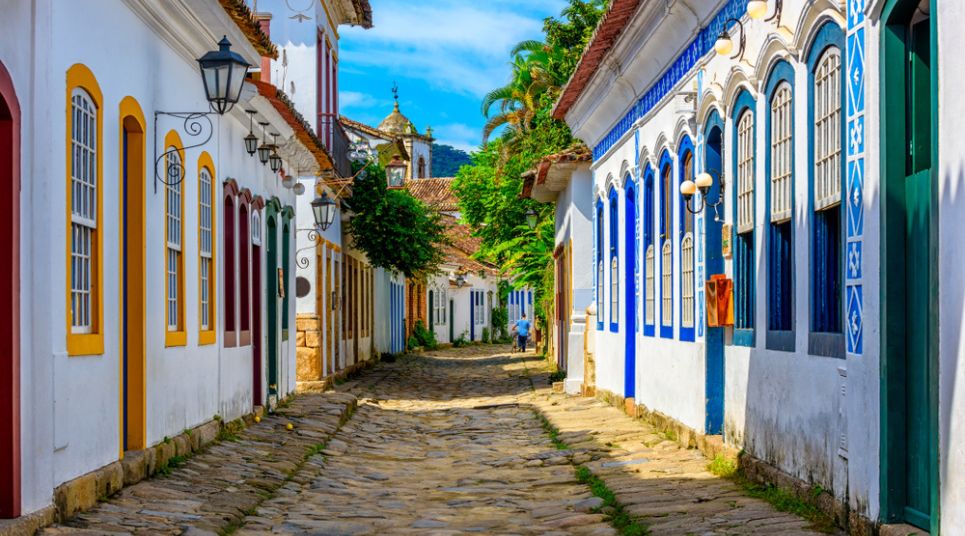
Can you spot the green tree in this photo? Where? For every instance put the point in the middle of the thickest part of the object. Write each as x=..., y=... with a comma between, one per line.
x=395, y=230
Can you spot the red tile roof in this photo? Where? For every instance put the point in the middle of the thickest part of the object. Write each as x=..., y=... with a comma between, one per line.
x=241, y=14
x=607, y=32
x=537, y=175
x=303, y=131
x=435, y=192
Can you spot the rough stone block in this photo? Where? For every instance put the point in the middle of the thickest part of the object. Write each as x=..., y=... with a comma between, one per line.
x=207, y=432
x=299, y=339
x=305, y=323
x=110, y=479
x=313, y=339
x=182, y=446
x=308, y=364
x=76, y=495
x=165, y=451
x=134, y=466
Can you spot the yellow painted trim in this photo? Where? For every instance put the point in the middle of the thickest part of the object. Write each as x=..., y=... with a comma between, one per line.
x=178, y=337
x=210, y=335
x=79, y=76
x=136, y=369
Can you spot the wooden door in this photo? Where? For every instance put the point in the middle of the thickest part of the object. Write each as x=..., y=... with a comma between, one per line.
x=714, y=348
x=133, y=391
x=271, y=304
x=630, y=291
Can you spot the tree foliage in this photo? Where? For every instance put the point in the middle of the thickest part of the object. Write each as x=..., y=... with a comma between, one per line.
x=489, y=189
x=446, y=160
x=395, y=230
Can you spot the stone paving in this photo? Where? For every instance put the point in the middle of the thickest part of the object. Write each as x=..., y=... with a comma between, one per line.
x=450, y=442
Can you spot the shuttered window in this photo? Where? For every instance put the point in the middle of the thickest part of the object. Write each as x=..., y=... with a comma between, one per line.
x=782, y=142
x=827, y=130
x=83, y=212
x=745, y=172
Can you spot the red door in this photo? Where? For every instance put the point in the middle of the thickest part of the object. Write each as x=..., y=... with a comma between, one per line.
x=9, y=300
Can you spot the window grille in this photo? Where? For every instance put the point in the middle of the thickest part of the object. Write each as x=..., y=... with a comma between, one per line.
x=745, y=172
x=173, y=236
x=83, y=211
x=256, y=227
x=651, y=290
x=827, y=130
x=666, y=289
x=687, y=280
x=782, y=141
x=205, y=220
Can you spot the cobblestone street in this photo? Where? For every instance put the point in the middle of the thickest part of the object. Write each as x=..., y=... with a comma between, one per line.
x=444, y=443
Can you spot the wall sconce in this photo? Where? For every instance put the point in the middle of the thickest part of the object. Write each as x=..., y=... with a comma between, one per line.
x=264, y=150
x=757, y=10
x=531, y=219
x=274, y=161
x=703, y=183
x=251, y=141
x=725, y=44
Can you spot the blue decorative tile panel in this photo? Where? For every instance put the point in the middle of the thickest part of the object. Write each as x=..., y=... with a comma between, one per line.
x=856, y=72
x=855, y=313
x=856, y=135
x=855, y=180
x=854, y=259
x=682, y=65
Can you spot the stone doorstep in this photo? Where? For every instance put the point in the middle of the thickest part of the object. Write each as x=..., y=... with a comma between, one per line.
x=755, y=470
x=326, y=383
x=893, y=530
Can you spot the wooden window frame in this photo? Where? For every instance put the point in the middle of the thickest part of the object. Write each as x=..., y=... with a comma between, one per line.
x=178, y=336
x=209, y=335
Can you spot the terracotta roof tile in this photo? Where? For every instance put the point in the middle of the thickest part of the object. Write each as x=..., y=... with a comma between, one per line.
x=435, y=192
x=241, y=14
x=607, y=32
x=303, y=131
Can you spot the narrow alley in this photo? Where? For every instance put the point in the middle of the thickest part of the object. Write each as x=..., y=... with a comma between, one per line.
x=447, y=442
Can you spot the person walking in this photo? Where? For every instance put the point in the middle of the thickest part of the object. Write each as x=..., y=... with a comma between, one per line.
x=522, y=331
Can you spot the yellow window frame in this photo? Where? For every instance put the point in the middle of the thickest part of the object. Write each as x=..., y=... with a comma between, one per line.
x=210, y=335
x=79, y=76
x=179, y=336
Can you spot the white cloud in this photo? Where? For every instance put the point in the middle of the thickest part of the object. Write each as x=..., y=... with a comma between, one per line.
x=454, y=45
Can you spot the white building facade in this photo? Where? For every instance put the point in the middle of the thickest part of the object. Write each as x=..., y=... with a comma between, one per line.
x=825, y=132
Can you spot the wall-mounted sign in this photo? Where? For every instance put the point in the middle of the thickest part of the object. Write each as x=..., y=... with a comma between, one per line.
x=725, y=240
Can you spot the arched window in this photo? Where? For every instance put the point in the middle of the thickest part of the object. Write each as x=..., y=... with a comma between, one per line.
x=827, y=170
x=780, y=205
x=206, y=257
x=686, y=233
x=666, y=246
x=229, y=269
x=84, y=283
x=174, y=240
x=599, y=264
x=649, y=264
x=614, y=261
x=744, y=266
x=422, y=167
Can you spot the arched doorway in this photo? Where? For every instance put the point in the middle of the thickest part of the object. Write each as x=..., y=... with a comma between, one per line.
x=271, y=303
x=9, y=299
x=630, y=289
x=713, y=223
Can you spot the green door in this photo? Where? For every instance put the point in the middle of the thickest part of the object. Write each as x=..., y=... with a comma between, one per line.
x=271, y=303
x=909, y=394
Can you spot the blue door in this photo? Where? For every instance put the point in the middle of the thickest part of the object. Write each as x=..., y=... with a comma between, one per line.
x=630, y=286
x=714, y=386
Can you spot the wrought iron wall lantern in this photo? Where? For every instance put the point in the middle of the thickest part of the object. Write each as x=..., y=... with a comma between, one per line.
x=324, y=211
x=757, y=10
x=223, y=75
x=531, y=219
x=251, y=141
x=725, y=44
x=264, y=150
x=703, y=183
x=274, y=161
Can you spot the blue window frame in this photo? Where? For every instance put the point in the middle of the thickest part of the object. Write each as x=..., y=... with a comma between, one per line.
x=779, y=206
x=826, y=175
x=687, y=240
x=665, y=252
x=649, y=256
x=614, y=260
x=744, y=152
x=598, y=269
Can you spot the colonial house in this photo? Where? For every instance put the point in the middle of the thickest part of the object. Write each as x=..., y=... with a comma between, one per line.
x=746, y=156
x=566, y=180
x=149, y=235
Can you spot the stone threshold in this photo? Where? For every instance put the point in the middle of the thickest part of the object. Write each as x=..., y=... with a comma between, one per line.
x=329, y=382
x=753, y=469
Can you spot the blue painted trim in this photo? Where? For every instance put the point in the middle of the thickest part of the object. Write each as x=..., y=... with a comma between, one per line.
x=472, y=315
x=826, y=342
x=699, y=47
x=648, y=217
x=614, y=226
x=744, y=253
x=686, y=146
x=597, y=272
x=780, y=238
x=714, y=383
x=744, y=337
x=666, y=234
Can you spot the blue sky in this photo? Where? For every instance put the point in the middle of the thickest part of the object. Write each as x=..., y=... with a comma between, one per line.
x=445, y=56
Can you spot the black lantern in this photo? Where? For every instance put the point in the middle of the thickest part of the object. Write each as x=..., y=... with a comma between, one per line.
x=264, y=150
x=531, y=219
x=395, y=172
x=323, y=208
x=223, y=73
x=251, y=141
x=274, y=161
